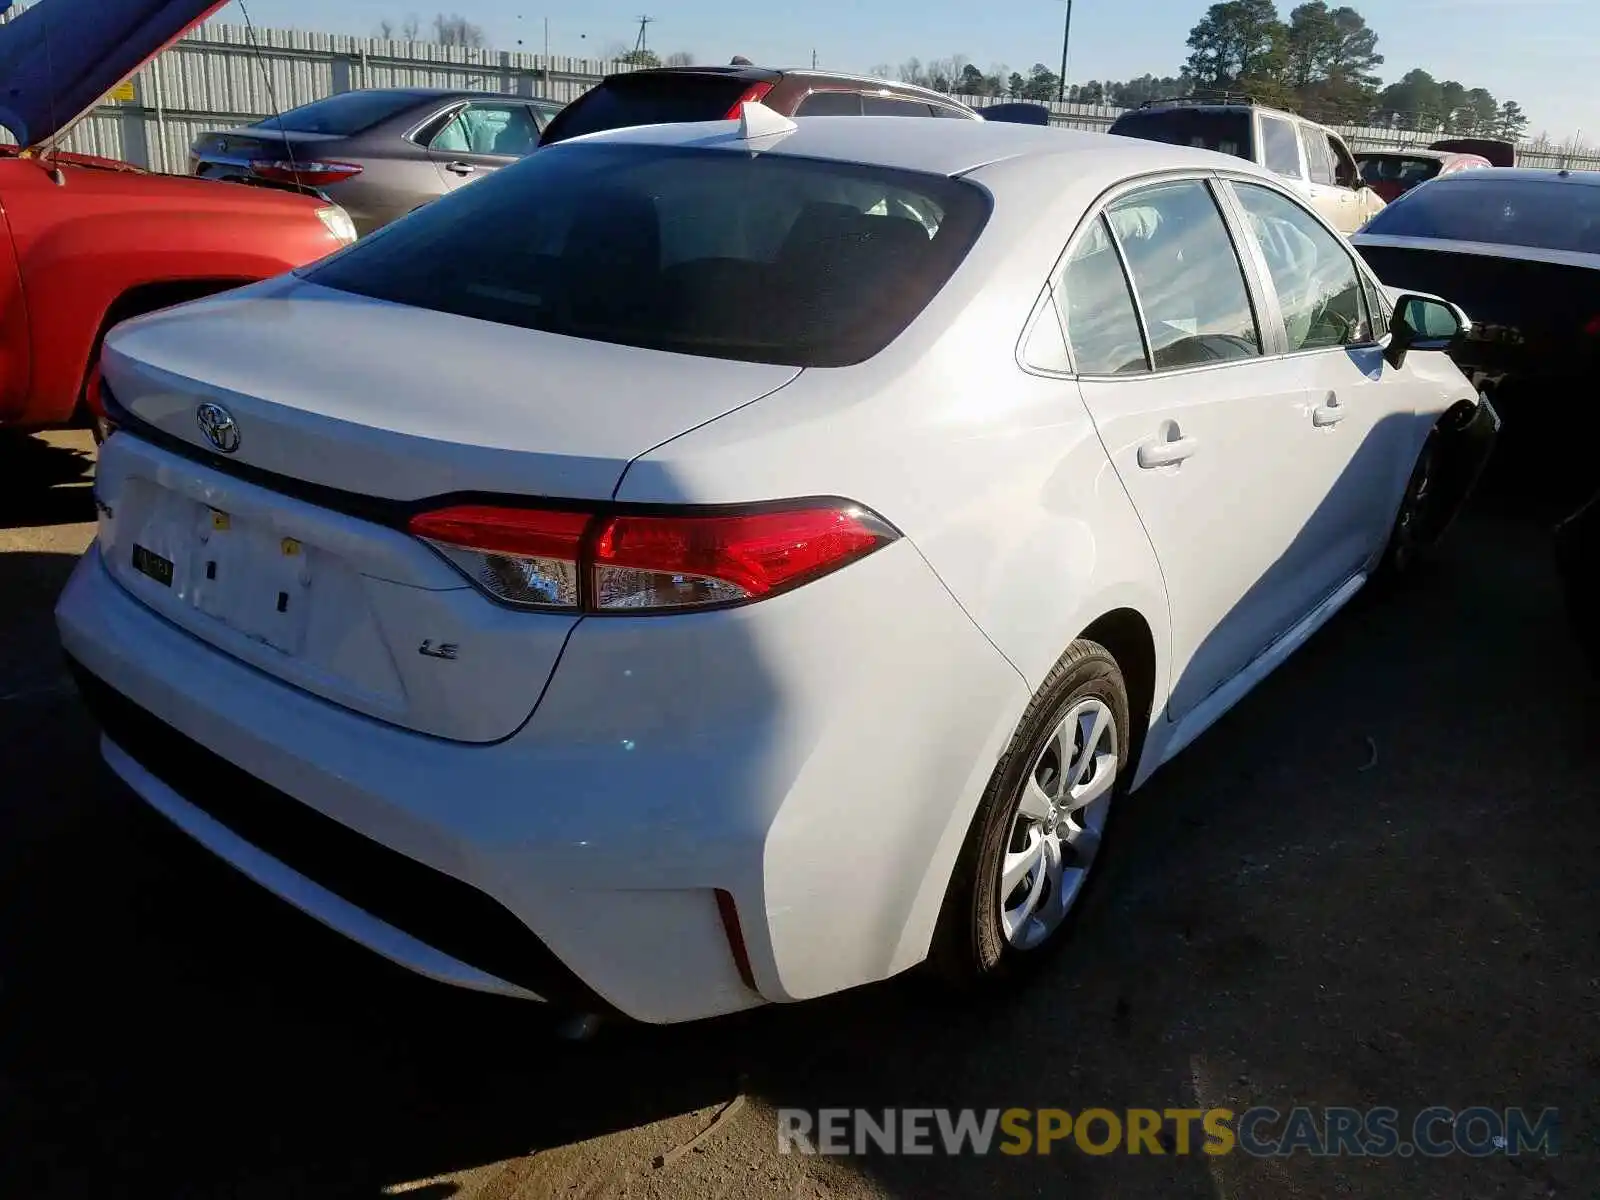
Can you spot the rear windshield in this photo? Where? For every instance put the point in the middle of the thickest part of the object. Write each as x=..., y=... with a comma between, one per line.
x=765, y=258
x=1392, y=168
x=651, y=100
x=1550, y=215
x=1226, y=131
x=344, y=113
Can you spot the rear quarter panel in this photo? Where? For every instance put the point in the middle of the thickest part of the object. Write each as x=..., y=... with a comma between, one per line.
x=81, y=245
x=997, y=476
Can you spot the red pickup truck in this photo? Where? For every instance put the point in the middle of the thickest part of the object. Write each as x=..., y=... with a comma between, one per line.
x=86, y=242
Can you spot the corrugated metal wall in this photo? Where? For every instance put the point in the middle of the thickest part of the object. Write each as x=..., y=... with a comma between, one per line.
x=221, y=76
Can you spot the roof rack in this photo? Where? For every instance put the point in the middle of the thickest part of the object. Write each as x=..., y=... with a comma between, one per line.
x=1204, y=98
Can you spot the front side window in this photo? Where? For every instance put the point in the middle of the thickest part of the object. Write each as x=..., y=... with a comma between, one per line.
x=1280, y=147
x=1187, y=275
x=1318, y=286
x=763, y=258
x=1097, y=308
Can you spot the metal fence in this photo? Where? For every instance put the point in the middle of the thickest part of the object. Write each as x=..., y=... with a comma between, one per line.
x=222, y=76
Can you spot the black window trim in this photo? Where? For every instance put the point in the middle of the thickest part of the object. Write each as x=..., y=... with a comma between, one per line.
x=447, y=110
x=1258, y=280
x=1270, y=289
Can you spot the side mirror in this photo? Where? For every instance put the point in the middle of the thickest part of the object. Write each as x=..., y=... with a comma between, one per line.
x=1423, y=323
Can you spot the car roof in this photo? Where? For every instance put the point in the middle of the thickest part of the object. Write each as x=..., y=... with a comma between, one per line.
x=755, y=74
x=1416, y=152
x=934, y=146
x=1180, y=103
x=1533, y=174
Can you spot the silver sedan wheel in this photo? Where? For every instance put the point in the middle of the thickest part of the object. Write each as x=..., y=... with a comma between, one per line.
x=1057, y=832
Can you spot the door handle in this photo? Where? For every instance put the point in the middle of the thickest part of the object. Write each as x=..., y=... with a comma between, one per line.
x=1327, y=414
x=1166, y=450
x=460, y=168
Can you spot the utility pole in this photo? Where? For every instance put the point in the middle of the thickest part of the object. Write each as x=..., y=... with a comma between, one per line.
x=1066, y=40
x=639, y=44
x=813, y=60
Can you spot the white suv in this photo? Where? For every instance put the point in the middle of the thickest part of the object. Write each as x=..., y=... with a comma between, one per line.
x=1311, y=158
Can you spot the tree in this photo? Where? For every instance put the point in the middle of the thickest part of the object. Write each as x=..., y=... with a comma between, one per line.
x=1482, y=109
x=1016, y=84
x=1238, y=43
x=386, y=29
x=972, y=82
x=1147, y=87
x=1042, y=84
x=456, y=30
x=1512, y=122
x=1416, y=101
x=680, y=58
x=639, y=58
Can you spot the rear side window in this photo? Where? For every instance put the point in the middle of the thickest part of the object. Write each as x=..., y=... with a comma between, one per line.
x=1226, y=131
x=894, y=106
x=763, y=258
x=830, y=104
x=1187, y=275
x=1479, y=207
x=1393, y=168
x=647, y=100
x=1319, y=158
x=1097, y=309
x=343, y=114
x=1280, y=147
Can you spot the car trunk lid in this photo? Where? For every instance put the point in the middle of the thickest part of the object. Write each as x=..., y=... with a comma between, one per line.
x=279, y=538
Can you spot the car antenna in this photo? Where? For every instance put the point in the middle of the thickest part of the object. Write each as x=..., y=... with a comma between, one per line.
x=52, y=169
x=272, y=96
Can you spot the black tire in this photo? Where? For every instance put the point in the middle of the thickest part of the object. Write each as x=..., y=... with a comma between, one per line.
x=969, y=947
x=1412, y=533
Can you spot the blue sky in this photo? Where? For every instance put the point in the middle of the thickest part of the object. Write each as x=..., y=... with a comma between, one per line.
x=1540, y=53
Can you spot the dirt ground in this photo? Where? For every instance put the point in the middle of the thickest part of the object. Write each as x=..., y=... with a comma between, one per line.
x=1372, y=884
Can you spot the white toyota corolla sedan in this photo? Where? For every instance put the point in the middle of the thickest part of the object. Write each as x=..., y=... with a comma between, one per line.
x=707, y=565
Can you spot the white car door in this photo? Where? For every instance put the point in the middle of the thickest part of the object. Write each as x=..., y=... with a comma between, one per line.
x=1359, y=412
x=1206, y=431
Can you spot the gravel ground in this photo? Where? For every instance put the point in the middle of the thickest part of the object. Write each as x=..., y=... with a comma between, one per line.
x=1372, y=884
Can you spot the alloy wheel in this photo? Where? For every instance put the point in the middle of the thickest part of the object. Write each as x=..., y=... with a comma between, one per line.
x=1059, y=822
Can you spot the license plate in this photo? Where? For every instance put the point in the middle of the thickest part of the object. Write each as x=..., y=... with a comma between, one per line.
x=148, y=562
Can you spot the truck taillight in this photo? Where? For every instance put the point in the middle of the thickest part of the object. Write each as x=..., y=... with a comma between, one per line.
x=645, y=562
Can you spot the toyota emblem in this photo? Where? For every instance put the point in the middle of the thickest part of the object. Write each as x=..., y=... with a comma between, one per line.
x=217, y=423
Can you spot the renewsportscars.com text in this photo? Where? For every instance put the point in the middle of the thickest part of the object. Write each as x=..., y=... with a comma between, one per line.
x=1262, y=1132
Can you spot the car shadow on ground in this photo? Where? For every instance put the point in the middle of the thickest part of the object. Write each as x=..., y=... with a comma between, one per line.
x=1372, y=883
x=44, y=483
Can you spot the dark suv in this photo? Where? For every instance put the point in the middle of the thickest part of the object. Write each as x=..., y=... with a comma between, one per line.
x=667, y=95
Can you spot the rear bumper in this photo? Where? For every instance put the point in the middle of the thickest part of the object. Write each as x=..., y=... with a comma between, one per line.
x=817, y=757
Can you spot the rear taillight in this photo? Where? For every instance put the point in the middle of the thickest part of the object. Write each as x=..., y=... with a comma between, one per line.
x=1592, y=326
x=754, y=94
x=642, y=561
x=304, y=172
